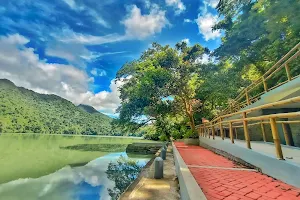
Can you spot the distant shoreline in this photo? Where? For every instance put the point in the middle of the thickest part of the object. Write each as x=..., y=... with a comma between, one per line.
x=131, y=137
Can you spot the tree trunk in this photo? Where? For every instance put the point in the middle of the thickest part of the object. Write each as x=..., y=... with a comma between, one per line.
x=192, y=122
x=190, y=114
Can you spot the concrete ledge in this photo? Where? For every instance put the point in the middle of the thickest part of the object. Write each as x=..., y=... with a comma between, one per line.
x=282, y=170
x=189, y=188
x=191, y=141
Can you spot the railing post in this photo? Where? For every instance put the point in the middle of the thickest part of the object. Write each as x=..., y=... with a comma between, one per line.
x=208, y=131
x=235, y=130
x=221, y=129
x=247, y=97
x=213, y=130
x=276, y=139
x=286, y=135
x=263, y=131
x=265, y=84
x=231, y=132
x=288, y=73
x=246, y=131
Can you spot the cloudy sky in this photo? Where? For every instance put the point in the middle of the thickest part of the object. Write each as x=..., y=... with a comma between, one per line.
x=73, y=48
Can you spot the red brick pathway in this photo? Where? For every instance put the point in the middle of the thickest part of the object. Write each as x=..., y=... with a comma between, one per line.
x=223, y=183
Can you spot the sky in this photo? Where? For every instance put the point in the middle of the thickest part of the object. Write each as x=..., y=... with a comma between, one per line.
x=73, y=48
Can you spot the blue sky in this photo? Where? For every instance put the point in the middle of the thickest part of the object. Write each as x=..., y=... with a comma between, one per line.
x=73, y=48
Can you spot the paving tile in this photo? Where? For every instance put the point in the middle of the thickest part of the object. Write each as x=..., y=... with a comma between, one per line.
x=253, y=195
x=232, y=198
x=225, y=193
x=272, y=194
x=225, y=184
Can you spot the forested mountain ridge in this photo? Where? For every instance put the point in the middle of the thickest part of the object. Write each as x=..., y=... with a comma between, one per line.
x=25, y=111
x=88, y=109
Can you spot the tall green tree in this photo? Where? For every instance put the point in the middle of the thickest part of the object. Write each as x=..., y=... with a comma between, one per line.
x=162, y=83
x=256, y=35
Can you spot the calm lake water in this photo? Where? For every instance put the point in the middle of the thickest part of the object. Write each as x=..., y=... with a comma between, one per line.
x=57, y=167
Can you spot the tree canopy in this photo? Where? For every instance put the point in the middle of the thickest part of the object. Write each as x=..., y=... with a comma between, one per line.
x=161, y=84
x=171, y=88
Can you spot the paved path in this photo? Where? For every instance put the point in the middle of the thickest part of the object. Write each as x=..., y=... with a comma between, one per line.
x=291, y=154
x=148, y=188
x=222, y=179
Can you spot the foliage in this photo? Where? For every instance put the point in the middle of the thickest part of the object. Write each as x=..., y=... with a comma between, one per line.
x=257, y=34
x=149, y=132
x=161, y=84
x=24, y=111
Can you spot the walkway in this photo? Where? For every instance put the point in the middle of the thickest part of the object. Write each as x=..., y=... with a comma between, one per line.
x=145, y=187
x=222, y=179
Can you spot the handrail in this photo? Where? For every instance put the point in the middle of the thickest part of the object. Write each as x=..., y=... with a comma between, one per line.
x=223, y=121
x=282, y=63
x=269, y=105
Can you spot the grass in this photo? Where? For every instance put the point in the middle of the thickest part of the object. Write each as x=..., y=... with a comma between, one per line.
x=34, y=155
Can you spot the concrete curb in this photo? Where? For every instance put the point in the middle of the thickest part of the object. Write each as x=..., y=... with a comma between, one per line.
x=189, y=188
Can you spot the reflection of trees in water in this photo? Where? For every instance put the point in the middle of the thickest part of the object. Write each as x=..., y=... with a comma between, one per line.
x=123, y=173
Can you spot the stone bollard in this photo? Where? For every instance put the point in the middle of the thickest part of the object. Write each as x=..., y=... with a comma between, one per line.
x=165, y=147
x=158, y=168
x=163, y=153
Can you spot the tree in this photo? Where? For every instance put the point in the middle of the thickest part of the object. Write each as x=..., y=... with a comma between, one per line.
x=257, y=34
x=162, y=83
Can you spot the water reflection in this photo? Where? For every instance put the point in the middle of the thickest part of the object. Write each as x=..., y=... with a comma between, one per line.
x=123, y=172
x=103, y=178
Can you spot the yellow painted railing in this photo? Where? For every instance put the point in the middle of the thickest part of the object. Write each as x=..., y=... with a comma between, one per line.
x=230, y=122
x=253, y=92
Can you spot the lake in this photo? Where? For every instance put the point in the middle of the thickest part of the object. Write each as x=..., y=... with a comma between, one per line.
x=66, y=167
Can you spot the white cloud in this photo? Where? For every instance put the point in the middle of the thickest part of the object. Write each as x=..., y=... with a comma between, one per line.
x=68, y=36
x=203, y=60
x=71, y=3
x=211, y=3
x=105, y=101
x=177, y=4
x=98, y=72
x=137, y=26
x=188, y=21
x=186, y=40
x=91, y=12
x=22, y=66
x=205, y=23
x=75, y=54
x=147, y=3
x=98, y=19
x=142, y=26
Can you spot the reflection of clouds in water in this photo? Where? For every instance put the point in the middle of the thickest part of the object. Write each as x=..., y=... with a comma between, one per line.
x=81, y=183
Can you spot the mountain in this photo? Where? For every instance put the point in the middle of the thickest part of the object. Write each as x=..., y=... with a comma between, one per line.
x=25, y=111
x=89, y=109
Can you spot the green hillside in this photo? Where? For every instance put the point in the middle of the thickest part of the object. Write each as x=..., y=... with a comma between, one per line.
x=88, y=109
x=25, y=111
